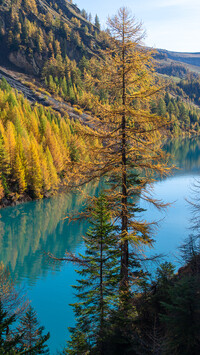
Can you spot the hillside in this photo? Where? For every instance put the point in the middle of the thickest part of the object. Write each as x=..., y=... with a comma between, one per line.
x=48, y=46
x=190, y=61
x=32, y=31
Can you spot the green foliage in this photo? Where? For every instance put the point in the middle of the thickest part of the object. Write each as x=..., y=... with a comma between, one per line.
x=29, y=338
x=164, y=273
x=32, y=334
x=24, y=337
x=97, y=22
x=98, y=283
x=167, y=319
x=182, y=318
x=184, y=116
x=149, y=329
x=174, y=69
x=191, y=87
x=63, y=78
x=7, y=341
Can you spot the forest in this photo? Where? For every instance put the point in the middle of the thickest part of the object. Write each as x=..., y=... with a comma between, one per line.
x=36, y=147
x=121, y=308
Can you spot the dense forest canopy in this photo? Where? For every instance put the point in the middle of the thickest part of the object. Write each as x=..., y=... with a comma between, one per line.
x=36, y=145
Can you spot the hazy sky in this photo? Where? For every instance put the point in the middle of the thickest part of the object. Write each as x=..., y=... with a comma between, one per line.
x=169, y=24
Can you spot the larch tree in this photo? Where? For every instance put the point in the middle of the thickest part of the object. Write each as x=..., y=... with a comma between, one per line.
x=34, y=169
x=19, y=173
x=128, y=151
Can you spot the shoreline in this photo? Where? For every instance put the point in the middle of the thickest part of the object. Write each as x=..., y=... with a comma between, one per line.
x=14, y=199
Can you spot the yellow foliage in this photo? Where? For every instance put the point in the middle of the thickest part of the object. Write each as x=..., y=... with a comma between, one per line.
x=35, y=146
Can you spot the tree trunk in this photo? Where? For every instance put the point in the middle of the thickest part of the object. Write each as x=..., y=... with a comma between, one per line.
x=124, y=247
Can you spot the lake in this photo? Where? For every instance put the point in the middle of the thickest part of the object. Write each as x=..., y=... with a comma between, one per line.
x=31, y=229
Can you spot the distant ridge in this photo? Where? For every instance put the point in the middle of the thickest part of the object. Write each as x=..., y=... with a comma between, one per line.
x=183, y=57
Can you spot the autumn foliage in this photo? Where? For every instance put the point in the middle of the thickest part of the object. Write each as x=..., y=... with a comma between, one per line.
x=36, y=146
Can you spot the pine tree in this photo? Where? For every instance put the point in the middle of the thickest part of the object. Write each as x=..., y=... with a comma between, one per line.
x=96, y=289
x=32, y=337
x=7, y=341
x=149, y=306
x=97, y=22
x=161, y=108
x=182, y=319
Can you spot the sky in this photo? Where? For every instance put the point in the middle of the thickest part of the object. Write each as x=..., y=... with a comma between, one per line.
x=169, y=24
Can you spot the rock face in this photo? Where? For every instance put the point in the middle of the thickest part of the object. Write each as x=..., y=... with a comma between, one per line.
x=20, y=60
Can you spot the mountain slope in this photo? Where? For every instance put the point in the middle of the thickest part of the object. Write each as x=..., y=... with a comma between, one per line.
x=48, y=51
x=187, y=58
x=167, y=61
x=55, y=43
x=31, y=31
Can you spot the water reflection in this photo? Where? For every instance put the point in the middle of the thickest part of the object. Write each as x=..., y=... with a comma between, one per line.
x=30, y=229
x=27, y=230
x=185, y=154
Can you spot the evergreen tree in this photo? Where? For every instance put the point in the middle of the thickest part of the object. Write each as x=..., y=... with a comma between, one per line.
x=150, y=306
x=161, y=108
x=97, y=22
x=182, y=319
x=90, y=17
x=97, y=287
x=8, y=342
x=170, y=108
x=32, y=337
x=190, y=248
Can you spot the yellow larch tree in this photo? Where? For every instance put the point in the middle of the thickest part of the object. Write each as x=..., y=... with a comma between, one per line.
x=34, y=169
x=19, y=173
x=128, y=136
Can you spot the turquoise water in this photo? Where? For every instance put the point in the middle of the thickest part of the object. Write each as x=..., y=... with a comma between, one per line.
x=31, y=229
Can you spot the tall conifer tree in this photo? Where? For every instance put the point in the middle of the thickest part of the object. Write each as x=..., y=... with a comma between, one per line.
x=32, y=337
x=129, y=135
x=98, y=285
